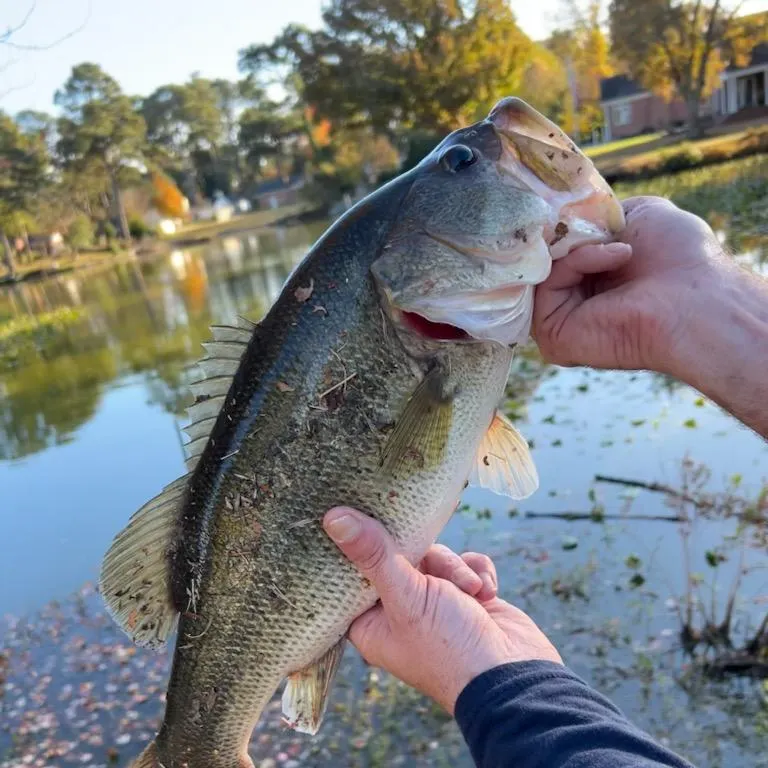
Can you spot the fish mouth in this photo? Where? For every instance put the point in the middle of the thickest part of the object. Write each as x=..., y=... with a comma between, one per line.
x=501, y=314
x=538, y=154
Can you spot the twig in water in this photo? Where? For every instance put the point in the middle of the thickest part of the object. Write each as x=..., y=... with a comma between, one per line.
x=579, y=516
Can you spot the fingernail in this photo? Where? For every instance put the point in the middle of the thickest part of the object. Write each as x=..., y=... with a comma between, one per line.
x=618, y=249
x=341, y=526
x=488, y=582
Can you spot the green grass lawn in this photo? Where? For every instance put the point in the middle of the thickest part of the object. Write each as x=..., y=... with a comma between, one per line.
x=252, y=220
x=621, y=144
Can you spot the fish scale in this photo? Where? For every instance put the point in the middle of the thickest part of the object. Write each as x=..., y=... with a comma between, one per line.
x=373, y=381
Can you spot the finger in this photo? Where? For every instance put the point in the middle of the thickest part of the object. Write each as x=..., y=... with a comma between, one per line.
x=634, y=204
x=446, y=564
x=485, y=568
x=370, y=634
x=587, y=260
x=372, y=550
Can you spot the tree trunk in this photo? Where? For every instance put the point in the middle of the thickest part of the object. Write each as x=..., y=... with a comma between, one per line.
x=8, y=254
x=117, y=197
x=695, y=130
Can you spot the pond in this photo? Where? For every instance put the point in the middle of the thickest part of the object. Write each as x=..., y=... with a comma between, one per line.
x=93, y=376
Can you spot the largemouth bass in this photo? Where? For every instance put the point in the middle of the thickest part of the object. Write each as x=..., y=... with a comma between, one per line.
x=373, y=381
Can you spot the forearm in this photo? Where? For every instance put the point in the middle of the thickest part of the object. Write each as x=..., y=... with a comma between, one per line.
x=541, y=715
x=723, y=350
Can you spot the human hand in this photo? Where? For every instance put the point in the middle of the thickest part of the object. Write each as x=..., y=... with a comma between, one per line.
x=439, y=626
x=627, y=304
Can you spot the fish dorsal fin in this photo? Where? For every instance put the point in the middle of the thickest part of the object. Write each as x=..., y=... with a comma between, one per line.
x=504, y=463
x=420, y=435
x=218, y=369
x=135, y=579
x=306, y=692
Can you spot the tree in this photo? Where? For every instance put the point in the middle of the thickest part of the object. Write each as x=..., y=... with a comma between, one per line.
x=584, y=51
x=23, y=173
x=674, y=47
x=400, y=64
x=100, y=133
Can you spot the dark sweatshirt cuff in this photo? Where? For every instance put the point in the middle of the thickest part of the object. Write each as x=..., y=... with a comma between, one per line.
x=539, y=714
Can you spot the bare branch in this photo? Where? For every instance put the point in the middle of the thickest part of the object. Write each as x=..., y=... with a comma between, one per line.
x=13, y=30
x=5, y=39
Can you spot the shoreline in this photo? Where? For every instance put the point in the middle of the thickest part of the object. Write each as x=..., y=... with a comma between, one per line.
x=196, y=234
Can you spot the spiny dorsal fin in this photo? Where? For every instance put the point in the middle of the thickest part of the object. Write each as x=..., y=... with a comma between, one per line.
x=504, y=463
x=135, y=579
x=419, y=437
x=218, y=369
x=306, y=693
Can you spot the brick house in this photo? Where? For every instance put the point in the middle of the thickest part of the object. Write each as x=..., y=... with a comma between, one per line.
x=629, y=109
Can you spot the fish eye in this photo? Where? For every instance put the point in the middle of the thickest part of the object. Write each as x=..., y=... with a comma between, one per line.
x=457, y=157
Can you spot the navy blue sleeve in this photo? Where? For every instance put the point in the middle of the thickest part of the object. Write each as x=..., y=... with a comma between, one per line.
x=538, y=714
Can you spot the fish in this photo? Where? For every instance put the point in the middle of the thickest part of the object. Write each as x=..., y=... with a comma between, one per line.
x=373, y=381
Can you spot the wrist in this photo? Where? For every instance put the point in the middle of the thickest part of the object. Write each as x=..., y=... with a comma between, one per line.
x=723, y=347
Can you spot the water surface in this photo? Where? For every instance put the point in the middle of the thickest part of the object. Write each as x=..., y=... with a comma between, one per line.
x=92, y=397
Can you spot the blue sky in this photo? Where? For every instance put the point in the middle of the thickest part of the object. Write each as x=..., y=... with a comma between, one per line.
x=145, y=43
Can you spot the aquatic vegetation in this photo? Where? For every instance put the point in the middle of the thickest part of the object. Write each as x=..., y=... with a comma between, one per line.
x=731, y=196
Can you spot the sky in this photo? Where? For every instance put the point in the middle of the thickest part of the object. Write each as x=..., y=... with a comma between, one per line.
x=147, y=43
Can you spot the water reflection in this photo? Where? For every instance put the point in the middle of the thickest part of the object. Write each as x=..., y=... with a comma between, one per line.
x=68, y=338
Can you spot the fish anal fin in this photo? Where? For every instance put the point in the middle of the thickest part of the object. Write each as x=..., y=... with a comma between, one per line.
x=420, y=435
x=135, y=580
x=504, y=463
x=306, y=693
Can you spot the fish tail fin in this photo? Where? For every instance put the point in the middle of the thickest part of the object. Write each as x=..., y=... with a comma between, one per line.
x=148, y=758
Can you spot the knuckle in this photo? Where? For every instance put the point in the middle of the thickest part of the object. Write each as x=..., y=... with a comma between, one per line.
x=373, y=557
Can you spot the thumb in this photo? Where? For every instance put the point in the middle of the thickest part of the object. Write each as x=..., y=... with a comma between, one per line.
x=373, y=551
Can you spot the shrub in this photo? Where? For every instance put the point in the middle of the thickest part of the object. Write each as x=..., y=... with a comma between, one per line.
x=138, y=228
x=681, y=159
x=81, y=232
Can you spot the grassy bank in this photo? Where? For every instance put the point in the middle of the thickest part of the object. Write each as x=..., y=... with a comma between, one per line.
x=664, y=158
x=47, y=265
x=205, y=230
x=731, y=195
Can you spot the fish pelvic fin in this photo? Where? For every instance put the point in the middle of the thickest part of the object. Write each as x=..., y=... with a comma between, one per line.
x=306, y=693
x=420, y=435
x=504, y=463
x=136, y=580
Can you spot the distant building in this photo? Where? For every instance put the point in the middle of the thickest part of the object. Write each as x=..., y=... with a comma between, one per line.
x=278, y=192
x=630, y=109
x=745, y=88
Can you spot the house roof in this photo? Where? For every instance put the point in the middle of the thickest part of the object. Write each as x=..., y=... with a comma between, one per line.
x=618, y=87
x=759, y=56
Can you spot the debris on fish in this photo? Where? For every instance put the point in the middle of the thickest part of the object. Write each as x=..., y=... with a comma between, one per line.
x=386, y=400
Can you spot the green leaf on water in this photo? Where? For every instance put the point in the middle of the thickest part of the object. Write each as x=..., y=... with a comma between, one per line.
x=549, y=420
x=736, y=480
x=513, y=512
x=569, y=543
x=714, y=558
x=591, y=495
x=637, y=422
x=583, y=388
x=606, y=444
x=690, y=423
x=557, y=443
x=633, y=562
x=699, y=402
x=637, y=580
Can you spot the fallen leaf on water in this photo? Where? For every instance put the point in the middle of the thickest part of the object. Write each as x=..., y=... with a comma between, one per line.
x=283, y=387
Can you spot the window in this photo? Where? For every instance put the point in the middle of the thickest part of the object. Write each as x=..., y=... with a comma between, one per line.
x=622, y=114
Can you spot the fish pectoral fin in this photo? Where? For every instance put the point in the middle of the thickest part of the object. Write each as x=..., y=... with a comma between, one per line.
x=504, y=463
x=135, y=580
x=306, y=692
x=420, y=435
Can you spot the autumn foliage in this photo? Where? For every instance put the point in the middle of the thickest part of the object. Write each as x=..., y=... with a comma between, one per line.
x=167, y=197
